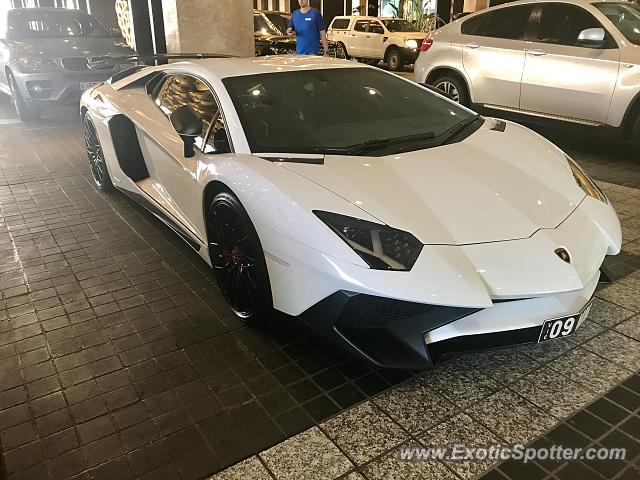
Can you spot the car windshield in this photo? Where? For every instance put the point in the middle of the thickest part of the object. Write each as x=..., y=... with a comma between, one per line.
x=625, y=16
x=35, y=23
x=335, y=110
x=279, y=21
x=262, y=25
x=399, y=26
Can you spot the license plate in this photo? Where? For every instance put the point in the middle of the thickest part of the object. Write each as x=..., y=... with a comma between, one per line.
x=563, y=327
x=87, y=85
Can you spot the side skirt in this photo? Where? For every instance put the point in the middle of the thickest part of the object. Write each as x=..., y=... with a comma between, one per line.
x=164, y=218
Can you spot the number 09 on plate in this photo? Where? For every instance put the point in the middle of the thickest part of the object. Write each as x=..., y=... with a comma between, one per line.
x=563, y=327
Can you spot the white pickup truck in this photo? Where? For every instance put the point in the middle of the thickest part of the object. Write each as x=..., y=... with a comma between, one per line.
x=371, y=39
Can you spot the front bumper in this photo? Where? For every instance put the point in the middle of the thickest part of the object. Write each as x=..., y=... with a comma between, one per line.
x=56, y=88
x=398, y=334
x=451, y=292
x=410, y=55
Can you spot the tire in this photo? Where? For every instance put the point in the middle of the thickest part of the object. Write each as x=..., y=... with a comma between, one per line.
x=344, y=49
x=95, y=155
x=394, y=60
x=238, y=260
x=454, y=88
x=635, y=136
x=25, y=113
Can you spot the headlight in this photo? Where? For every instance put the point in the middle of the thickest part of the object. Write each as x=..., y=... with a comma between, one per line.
x=35, y=63
x=382, y=247
x=585, y=182
x=413, y=44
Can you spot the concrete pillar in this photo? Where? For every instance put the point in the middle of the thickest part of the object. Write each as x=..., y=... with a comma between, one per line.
x=220, y=26
x=475, y=5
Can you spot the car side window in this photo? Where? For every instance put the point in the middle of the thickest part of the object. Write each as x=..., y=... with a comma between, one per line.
x=179, y=90
x=509, y=22
x=561, y=24
x=375, y=27
x=472, y=26
x=361, y=26
x=340, y=24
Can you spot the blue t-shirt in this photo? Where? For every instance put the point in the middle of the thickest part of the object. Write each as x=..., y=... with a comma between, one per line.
x=307, y=27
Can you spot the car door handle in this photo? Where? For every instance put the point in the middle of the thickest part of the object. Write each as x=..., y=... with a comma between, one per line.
x=472, y=45
x=353, y=34
x=536, y=52
x=368, y=36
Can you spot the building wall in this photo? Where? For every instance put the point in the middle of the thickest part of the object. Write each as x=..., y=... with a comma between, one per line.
x=104, y=11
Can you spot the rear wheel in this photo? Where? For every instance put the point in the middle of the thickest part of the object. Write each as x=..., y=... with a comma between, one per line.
x=341, y=51
x=97, y=163
x=454, y=89
x=25, y=113
x=395, y=60
x=635, y=136
x=238, y=260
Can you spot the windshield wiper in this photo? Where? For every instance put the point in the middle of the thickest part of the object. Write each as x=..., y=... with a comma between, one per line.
x=457, y=128
x=375, y=144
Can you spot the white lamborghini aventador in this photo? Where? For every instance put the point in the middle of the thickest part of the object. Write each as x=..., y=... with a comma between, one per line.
x=379, y=212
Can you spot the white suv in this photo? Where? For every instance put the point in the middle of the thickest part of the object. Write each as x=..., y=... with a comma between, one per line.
x=572, y=60
x=372, y=39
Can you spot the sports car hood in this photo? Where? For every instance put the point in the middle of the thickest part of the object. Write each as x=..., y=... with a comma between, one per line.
x=55, y=48
x=492, y=186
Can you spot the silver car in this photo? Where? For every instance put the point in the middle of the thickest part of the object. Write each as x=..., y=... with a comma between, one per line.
x=571, y=60
x=46, y=57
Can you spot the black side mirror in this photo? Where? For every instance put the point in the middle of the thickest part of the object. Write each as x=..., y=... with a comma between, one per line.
x=188, y=125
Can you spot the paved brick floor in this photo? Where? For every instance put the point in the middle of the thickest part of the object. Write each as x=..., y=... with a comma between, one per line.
x=119, y=359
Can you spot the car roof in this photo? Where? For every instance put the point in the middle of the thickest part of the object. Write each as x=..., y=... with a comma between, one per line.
x=234, y=67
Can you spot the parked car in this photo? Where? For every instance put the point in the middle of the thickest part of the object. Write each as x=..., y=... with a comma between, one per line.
x=270, y=33
x=404, y=227
x=372, y=39
x=571, y=60
x=45, y=57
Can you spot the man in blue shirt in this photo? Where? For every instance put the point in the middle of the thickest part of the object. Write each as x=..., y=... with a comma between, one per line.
x=310, y=29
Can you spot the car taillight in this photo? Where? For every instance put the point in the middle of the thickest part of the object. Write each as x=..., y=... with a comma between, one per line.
x=426, y=44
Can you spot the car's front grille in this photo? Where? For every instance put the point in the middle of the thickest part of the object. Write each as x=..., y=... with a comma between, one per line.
x=75, y=64
x=106, y=63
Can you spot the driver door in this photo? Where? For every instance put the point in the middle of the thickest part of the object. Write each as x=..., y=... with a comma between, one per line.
x=375, y=42
x=562, y=77
x=358, y=39
x=174, y=181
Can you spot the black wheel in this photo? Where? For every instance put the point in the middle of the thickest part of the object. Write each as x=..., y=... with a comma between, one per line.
x=454, y=88
x=95, y=155
x=25, y=113
x=238, y=260
x=635, y=136
x=395, y=60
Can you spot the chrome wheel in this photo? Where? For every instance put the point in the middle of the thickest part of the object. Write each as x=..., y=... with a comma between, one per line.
x=450, y=89
x=94, y=154
x=233, y=258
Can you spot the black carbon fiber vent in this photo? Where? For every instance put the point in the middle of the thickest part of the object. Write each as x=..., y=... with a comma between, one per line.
x=366, y=311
